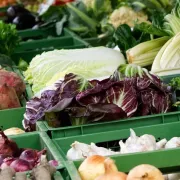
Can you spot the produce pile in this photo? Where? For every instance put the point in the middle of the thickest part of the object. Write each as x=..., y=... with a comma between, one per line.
x=130, y=91
x=133, y=144
x=120, y=80
x=14, y=159
x=101, y=168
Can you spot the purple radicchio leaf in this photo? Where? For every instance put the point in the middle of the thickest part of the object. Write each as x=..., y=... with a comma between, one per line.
x=124, y=95
x=36, y=107
x=154, y=96
x=54, y=101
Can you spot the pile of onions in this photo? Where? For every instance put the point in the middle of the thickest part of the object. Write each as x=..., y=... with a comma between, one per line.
x=101, y=168
x=19, y=159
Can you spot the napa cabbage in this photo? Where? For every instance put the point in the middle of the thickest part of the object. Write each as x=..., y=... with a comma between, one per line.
x=90, y=63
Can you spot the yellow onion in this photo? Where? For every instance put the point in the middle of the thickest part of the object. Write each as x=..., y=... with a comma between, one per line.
x=93, y=167
x=145, y=172
x=110, y=174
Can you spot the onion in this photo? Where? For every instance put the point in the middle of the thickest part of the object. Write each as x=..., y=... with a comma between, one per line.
x=145, y=172
x=53, y=163
x=93, y=167
x=7, y=162
x=110, y=174
x=29, y=155
x=7, y=146
x=2, y=157
x=21, y=165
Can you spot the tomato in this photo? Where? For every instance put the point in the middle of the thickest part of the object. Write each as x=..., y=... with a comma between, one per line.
x=63, y=2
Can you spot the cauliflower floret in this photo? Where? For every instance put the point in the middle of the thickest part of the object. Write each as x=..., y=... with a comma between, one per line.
x=126, y=15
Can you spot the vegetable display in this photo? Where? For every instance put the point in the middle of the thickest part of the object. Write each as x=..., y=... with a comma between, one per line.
x=21, y=160
x=102, y=168
x=80, y=101
x=133, y=144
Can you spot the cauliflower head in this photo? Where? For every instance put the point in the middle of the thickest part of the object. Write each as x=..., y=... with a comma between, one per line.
x=126, y=15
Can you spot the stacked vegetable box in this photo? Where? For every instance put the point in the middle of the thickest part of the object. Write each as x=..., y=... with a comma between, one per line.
x=72, y=111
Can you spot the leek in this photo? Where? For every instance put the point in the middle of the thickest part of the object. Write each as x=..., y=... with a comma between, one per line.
x=144, y=53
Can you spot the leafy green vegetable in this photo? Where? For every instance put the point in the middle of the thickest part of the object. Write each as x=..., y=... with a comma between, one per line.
x=167, y=60
x=175, y=83
x=47, y=68
x=125, y=38
x=9, y=38
x=151, y=29
x=5, y=60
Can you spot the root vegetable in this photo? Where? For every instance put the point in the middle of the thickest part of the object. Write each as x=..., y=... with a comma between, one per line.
x=145, y=172
x=30, y=156
x=8, y=98
x=12, y=80
x=7, y=146
x=2, y=157
x=44, y=170
x=20, y=176
x=7, y=162
x=93, y=167
x=21, y=165
x=110, y=174
x=7, y=173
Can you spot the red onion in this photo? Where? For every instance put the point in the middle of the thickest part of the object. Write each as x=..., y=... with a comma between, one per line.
x=29, y=155
x=7, y=146
x=53, y=163
x=21, y=165
x=7, y=162
x=2, y=157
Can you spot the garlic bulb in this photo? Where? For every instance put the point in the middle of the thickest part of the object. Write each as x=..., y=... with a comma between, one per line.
x=111, y=174
x=92, y=167
x=101, y=151
x=174, y=176
x=138, y=144
x=161, y=144
x=79, y=151
x=173, y=143
x=145, y=172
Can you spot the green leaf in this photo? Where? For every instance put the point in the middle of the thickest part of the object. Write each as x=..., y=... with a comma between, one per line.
x=124, y=38
x=150, y=29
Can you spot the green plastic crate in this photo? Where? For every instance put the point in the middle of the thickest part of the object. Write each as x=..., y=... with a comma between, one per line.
x=13, y=117
x=28, y=50
x=42, y=33
x=166, y=160
x=118, y=124
x=39, y=141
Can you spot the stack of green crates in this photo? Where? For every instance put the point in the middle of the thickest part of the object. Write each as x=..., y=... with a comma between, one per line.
x=45, y=39
x=115, y=125
x=168, y=161
x=13, y=117
x=109, y=134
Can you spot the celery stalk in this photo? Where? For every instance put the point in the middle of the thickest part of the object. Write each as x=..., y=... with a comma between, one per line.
x=156, y=63
x=144, y=53
x=167, y=61
x=174, y=23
